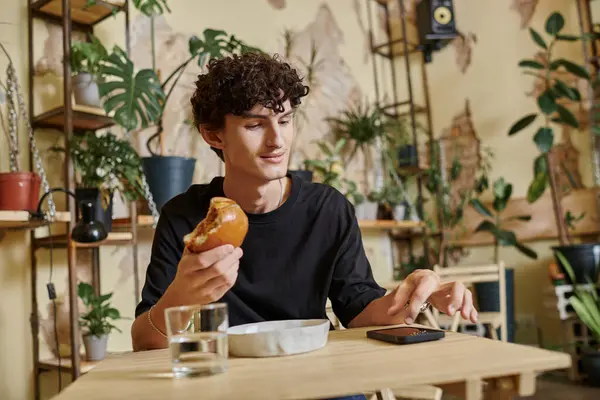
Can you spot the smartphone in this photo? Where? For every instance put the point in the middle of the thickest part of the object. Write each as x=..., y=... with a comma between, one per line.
x=405, y=335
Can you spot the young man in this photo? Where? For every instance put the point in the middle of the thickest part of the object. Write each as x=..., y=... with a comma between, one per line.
x=303, y=244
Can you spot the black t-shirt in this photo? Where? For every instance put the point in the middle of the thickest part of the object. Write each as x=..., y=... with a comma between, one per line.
x=296, y=256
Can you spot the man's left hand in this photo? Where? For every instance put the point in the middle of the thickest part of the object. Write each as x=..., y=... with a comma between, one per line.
x=424, y=286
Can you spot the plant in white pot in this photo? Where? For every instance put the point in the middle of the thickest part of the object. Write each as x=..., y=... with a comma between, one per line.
x=86, y=60
x=96, y=321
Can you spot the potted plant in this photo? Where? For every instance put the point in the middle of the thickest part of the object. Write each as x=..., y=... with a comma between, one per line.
x=586, y=304
x=19, y=190
x=105, y=164
x=553, y=112
x=96, y=321
x=329, y=171
x=139, y=100
x=488, y=293
x=86, y=60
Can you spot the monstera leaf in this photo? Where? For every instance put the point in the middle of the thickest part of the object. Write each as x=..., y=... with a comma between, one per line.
x=216, y=44
x=151, y=7
x=135, y=98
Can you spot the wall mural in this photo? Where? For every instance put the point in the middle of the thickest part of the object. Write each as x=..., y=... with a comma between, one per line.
x=526, y=9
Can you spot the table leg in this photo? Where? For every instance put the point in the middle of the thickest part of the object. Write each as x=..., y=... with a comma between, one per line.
x=385, y=394
x=506, y=387
x=471, y=389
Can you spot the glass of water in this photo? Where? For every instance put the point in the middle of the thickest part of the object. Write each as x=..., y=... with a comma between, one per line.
x=197, y=337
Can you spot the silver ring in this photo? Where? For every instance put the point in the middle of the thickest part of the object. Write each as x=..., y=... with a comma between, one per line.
x=423, y=308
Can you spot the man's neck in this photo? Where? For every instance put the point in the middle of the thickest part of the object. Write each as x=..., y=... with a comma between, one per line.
x=254, y=196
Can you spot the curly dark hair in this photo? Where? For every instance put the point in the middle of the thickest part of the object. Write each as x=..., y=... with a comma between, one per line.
x=235, y=84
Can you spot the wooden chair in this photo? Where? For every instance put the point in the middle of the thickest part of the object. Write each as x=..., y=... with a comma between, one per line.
x=469, y=275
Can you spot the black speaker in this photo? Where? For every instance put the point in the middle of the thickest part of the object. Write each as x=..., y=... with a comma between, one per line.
x=436, y=25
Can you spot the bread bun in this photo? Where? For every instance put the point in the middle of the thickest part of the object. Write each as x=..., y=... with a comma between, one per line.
x=225, y=223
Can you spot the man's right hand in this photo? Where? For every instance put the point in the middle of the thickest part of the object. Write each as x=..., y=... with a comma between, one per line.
x=205, y=277
x=200, y=279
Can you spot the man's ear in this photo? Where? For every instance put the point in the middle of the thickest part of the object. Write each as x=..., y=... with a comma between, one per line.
x=212, y=136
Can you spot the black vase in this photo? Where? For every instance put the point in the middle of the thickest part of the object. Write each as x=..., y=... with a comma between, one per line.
x=584, y=260
x=168, y=176
x=407, y=156
x=93, y=196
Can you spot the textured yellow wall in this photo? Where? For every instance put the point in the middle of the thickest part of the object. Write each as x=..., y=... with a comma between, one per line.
x=492, y=83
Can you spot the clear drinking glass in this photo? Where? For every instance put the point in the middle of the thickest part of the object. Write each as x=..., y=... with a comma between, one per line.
x=197, y=337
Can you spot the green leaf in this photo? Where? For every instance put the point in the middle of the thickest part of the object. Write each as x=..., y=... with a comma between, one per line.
x=555, y=23
x=529, y=252
x=522, y=124
x=540, y=165
x=506, y=238
x=537, y=187
x=531, y=64
x=544, y=139
x=135, y=99
x=487, y=226
x=85, y=291
x=325, y=148
x=151, y=7
x=566, y=117
x=105, y=297
x=519, y=217
x=112, y=313
x=538, y=39
x=502, y=193
x=571, y=93
x=546, y=102
x=481, y=208
x=568, y=38
x=573, y=68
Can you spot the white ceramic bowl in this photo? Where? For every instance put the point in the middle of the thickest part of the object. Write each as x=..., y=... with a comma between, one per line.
x=278, y=338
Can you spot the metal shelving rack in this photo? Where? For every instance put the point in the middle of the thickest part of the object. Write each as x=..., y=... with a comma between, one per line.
x=592, y=64
x=72, y=119
x=391, y=50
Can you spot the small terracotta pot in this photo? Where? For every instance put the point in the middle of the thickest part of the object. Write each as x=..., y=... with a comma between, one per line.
x=19, y=191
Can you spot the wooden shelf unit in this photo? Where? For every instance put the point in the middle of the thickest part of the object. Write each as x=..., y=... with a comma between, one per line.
x=17, y=220
x=84, y=119
x=66, y=365
x=71, y=118
x=81, y=15
x=61, y=241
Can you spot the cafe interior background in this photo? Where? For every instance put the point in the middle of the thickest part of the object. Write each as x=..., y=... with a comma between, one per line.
x=477, y=87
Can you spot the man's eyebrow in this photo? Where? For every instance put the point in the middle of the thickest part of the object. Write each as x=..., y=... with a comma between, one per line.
x=250, y=115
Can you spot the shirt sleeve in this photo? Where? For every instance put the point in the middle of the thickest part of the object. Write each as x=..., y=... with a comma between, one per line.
x=352, y=286
x=162, y=268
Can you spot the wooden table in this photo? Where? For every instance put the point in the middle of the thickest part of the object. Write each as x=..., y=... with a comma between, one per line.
x=349, y=364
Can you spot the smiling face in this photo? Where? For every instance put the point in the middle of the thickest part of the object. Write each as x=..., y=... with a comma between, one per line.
x=257, y=143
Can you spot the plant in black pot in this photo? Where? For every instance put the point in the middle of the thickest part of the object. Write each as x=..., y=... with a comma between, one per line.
x=586, y=304
x=140, y=100
x=86, y=60
x=488, y=293
x=96, y=321
x=553, y=100
x=104, y=165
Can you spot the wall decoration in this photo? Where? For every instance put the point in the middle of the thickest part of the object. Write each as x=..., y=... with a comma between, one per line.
x=463, y=46
x=51, y=60
x=525, y=8
x=333, y=87
x=277, y=4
